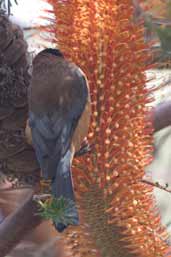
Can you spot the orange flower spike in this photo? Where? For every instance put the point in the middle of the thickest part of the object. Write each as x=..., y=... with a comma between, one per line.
x=100, y=36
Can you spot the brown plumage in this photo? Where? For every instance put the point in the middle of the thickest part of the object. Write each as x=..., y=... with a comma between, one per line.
x=59, y=115
x=81, y=129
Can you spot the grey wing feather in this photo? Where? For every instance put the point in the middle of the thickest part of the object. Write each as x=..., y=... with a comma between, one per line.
x=50, y=145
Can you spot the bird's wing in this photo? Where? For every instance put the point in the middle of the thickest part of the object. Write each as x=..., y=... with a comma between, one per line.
x=52, y=133
x=50, y=140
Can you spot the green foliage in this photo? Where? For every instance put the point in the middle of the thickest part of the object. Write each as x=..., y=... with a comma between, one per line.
x=164, y=34
x=148, y=22
x=163, y=31
x=59, y=210
x=168, y=9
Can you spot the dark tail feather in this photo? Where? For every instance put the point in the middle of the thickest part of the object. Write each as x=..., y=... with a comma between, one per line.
x=62, y=186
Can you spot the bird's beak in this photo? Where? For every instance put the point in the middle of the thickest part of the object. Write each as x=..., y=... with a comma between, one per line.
x=28, y=134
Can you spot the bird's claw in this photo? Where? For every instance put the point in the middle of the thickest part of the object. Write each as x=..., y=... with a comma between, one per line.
x=85, y=148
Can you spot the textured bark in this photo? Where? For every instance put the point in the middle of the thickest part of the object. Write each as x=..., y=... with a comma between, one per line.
x=18, y=224
x=17, y=158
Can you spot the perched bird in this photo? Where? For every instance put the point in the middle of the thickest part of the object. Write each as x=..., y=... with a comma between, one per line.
x=59, y=115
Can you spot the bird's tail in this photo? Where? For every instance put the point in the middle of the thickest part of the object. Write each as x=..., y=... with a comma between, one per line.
x=62, y=186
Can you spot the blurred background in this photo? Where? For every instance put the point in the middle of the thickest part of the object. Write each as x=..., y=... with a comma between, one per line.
x=157, y=16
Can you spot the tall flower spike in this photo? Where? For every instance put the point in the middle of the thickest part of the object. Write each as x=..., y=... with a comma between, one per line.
x=100, y=36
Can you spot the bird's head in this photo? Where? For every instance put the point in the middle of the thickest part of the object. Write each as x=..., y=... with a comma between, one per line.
x=52, y=51
x=47, y=54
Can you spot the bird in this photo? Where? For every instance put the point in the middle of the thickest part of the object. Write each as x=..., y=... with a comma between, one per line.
x=58, y=120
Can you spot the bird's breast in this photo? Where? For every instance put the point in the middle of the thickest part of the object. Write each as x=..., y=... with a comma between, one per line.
x=82, y=128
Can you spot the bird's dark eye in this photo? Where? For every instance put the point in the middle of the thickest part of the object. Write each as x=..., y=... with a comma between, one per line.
x=45, y=156
x=53, y=51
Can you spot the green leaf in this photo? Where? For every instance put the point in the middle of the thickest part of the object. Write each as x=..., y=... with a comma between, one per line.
x=59, y=210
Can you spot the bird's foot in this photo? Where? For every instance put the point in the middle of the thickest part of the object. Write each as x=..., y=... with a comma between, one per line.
x=85, y=148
